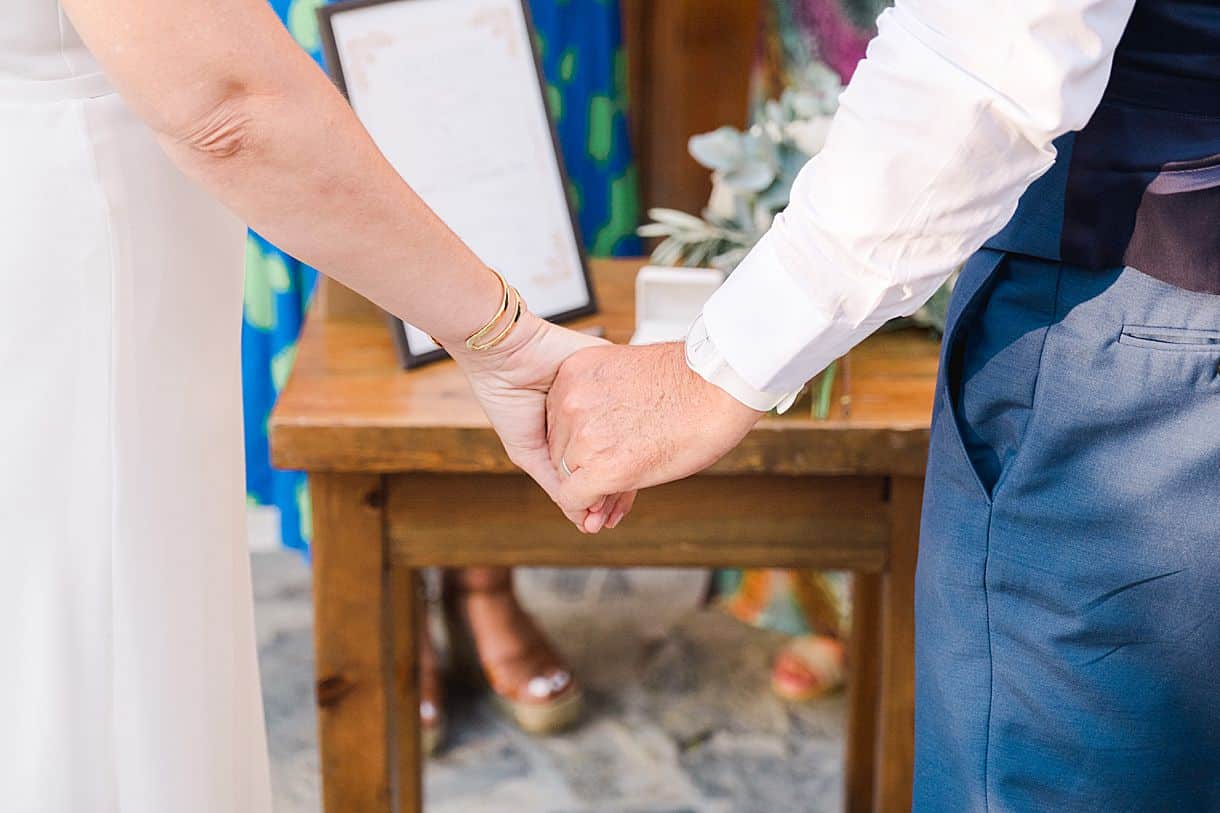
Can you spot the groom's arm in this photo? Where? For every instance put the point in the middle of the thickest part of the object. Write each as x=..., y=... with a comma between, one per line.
x=944, y=125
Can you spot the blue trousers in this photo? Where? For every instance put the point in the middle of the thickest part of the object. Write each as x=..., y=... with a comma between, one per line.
x=1068, y=588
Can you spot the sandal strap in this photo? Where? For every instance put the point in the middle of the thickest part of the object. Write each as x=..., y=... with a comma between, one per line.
x=822, y=657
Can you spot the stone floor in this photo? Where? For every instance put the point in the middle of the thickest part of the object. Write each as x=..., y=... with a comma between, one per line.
x=682, y=724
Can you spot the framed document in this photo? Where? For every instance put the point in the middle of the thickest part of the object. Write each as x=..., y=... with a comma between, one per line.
x=451, y=92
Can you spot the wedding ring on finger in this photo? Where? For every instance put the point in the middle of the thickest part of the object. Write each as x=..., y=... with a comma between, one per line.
x=563, y=464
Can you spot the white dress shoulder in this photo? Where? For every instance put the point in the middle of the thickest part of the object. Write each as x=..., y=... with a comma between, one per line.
x=129, y=681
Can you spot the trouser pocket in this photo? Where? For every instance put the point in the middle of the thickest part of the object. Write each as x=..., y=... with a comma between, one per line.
x=1170, y=339
x=994, y=365
x=971, y=289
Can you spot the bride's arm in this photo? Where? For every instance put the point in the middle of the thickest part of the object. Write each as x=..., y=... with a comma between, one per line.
x=239, y=107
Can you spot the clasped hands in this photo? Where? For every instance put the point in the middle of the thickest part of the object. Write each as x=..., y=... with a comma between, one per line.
x=593, y=422
x=622, y=418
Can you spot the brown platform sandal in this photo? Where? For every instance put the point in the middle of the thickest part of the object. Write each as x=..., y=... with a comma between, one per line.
x=532, y=685
x=808, y=667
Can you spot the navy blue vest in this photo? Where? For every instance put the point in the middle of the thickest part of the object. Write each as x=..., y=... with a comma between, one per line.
x=1140, y=184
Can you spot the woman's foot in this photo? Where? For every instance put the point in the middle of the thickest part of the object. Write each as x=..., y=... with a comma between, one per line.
x=431, y=720
x=808, y=667
x=530, y=680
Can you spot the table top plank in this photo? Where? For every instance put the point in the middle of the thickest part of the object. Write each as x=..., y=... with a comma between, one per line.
x=348, y=406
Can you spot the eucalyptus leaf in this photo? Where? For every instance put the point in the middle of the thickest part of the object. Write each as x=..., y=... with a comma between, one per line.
x=808, y=135
x=756, y=171
x=655, y=230
x=675, y=218
x=763, y=146
x=763, y=218
x=775, y=197
x=791, y=161
x=821, y=81
x=773, y=112
x=667, y=252
x=744, y=215
x=802, y=104
x=730, y=259
x=723, y=200
x=721, y=149
x=752, y=176
x=699, y=253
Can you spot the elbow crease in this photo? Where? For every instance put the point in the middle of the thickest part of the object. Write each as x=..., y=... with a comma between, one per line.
x=226, y=132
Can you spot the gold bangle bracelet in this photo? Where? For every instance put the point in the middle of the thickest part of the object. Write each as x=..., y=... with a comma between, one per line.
x=482, y=333
x=475, y=340
x=518, y=309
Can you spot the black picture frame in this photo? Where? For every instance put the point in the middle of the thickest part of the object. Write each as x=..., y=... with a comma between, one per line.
x=334, y=68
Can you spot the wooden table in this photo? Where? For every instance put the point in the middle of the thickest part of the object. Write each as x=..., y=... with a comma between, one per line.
x=406, y=473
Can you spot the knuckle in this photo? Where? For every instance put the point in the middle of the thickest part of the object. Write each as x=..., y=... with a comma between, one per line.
x=571, y=403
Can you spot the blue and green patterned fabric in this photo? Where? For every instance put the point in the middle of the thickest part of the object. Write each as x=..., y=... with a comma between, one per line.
x=277, y=293
x=584, y=66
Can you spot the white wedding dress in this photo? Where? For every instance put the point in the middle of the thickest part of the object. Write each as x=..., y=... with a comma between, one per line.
x=128, y=679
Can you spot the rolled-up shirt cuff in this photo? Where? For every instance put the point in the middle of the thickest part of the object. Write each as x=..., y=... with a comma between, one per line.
x=778, y=328
x=706, y=360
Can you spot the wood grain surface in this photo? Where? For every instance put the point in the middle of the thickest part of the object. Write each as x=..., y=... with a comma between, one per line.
x=349, y=407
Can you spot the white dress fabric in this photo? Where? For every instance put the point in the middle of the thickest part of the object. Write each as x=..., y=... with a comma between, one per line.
x=129, y=681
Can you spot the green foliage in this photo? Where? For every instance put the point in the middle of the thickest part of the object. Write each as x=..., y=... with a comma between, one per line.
x=752, y=176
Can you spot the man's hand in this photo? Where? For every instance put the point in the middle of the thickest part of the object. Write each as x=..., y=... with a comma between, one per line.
x=511, y=382
x=624, y=418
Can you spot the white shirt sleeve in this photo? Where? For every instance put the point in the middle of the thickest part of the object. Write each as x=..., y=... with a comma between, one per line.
x=944, y=125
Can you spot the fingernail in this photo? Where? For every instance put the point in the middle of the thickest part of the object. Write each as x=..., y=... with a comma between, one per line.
x=615, y=519
x=595, y=522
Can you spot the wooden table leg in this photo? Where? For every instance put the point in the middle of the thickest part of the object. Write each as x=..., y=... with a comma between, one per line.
x=864, y=679
x=407, y=604
x=364, y=628
x=896, y=727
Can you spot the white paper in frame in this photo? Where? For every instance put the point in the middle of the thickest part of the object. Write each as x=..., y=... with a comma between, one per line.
x=452, y=93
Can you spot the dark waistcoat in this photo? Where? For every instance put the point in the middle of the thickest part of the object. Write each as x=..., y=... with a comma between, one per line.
x=1140, y=184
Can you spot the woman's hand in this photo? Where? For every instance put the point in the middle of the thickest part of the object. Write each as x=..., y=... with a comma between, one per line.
x=511, y=382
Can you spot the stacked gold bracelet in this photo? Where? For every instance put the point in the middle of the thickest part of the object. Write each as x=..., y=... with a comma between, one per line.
x=510, y=302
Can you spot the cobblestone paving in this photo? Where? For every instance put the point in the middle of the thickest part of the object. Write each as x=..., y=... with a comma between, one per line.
x=679, y=725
